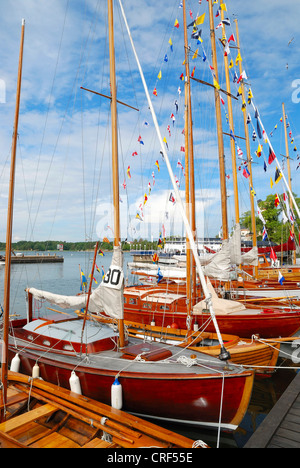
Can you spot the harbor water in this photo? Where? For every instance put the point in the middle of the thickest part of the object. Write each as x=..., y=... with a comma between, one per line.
x=65, y=278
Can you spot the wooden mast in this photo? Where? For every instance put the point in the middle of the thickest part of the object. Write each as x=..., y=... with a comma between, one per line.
x=253, y=216
x=4, y=368
x=219, y=126
x=289, y=172
x=191, y=155
x=115, y=163
x=187, y=128
x=232, y=143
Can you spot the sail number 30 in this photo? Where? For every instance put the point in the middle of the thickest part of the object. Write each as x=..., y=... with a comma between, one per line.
x=113, y=278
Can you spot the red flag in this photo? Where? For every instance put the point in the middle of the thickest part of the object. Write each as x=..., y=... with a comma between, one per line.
x=273, y=255
x=277, y=201
x=246, y=173
x=272, y=156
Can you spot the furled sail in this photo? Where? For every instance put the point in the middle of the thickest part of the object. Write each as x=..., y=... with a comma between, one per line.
x=221, y=306
x=251, y=257
x=108, y=297
x=219, y=266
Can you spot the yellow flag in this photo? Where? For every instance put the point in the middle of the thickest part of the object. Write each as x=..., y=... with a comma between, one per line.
x=223, y=7
x=159, y=75
x=238, y=58
x=271, y=182
x=200, y=20
x=216, y=84
x=195, y=54
x=231, y=63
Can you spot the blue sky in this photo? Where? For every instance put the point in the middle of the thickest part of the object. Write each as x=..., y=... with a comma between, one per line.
x=63, y=180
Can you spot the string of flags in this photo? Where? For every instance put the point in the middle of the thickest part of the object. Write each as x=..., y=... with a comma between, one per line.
x=264, y=150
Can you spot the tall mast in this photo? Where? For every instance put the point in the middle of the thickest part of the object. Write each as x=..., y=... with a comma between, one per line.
x=188, y=147
x=225, y=355
x=253, y=216
x=114, y=129
x=4, y=369
x=232, y=143
x=289, y=172
x=219, y=126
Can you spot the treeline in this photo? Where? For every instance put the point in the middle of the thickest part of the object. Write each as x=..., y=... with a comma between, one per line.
x=45, y=246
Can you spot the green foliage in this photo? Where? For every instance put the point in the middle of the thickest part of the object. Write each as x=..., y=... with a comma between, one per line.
x=278, y=232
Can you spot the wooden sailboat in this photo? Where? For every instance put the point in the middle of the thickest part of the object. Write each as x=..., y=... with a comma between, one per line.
x=252, y=353
x=149, y=304
x=156, y=380
x=166, y=307
x=37, y=414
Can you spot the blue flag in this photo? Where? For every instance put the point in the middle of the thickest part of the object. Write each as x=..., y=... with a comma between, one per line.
x=281, y=278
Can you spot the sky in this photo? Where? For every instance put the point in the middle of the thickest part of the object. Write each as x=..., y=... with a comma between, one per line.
x=63, y=176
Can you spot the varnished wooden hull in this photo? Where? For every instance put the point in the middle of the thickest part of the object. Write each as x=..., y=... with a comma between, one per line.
x=185, y=398
x=260, y=356
x=267, y=324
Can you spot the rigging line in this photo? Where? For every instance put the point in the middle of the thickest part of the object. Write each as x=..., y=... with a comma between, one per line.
x=48, y=108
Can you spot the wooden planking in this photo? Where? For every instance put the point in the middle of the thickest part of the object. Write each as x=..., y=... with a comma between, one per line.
x=281, y=428
x=55, y=440
x=24, y=419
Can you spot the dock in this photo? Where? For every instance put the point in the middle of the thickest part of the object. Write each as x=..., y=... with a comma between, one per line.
x=38, y=258
x=281, y=427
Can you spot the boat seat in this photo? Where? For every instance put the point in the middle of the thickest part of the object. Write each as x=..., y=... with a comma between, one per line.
x=15, y=399
x=99, y=443
x=24, y=419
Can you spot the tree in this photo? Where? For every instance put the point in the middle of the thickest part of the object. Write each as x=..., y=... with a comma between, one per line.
x=278, y=232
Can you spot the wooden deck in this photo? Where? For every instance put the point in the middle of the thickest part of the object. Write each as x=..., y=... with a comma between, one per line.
x=281, y=427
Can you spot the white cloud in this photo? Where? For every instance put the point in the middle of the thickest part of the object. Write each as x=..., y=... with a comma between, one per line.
x=64, y=143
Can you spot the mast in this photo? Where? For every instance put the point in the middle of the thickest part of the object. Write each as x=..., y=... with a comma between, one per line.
x=114, y=129
x=289, y=172
x=219, y=126
x=232, y=143
x=4, y=369
x=253, y=217
x=188, y=169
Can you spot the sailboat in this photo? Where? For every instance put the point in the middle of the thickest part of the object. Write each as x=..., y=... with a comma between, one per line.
x=150, y=379
x=152, y=304
x=37, y=414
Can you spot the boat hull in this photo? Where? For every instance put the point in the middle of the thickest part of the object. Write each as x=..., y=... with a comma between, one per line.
x=267, y=323
x=185, y=398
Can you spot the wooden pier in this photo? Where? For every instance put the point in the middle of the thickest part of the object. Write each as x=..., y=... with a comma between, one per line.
x=281, y=427
x=38, y=258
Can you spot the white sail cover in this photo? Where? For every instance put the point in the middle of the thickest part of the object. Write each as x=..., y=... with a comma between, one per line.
x=108, y=297
x=220, y=306
x=219, y=267
x=251, y=257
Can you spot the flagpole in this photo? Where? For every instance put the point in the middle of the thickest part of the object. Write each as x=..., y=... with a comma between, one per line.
x=224, y=355
x=289, y=174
